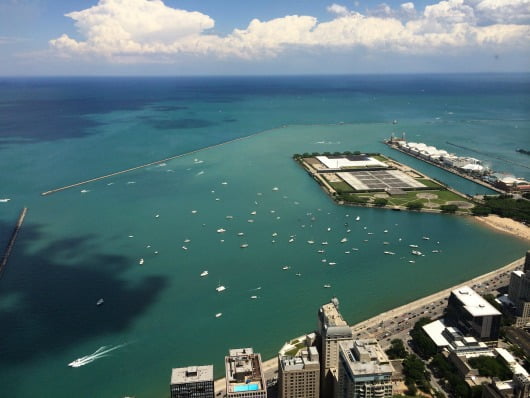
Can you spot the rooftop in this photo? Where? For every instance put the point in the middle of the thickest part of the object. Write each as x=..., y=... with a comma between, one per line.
x=192, y=374
x=343, y=161
x=473, y=302
x=303, y=360
x=365, y=357
x=243, y=371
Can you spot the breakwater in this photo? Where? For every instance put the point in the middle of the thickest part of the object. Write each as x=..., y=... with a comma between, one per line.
x=13, y=239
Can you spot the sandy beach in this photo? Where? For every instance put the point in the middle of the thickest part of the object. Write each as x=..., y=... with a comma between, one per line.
x=506, y=225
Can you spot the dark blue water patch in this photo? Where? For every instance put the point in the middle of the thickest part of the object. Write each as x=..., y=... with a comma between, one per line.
x=168, y=108
x=62, y=298
x=230, y=120
x=181, y=124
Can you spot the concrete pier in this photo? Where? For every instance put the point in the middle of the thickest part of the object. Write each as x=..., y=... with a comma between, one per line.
x=13, y=239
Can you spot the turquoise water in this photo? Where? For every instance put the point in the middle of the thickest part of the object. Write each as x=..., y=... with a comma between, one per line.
x=78, y=247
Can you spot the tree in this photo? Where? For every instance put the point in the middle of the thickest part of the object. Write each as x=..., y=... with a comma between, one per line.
x=448, y=208
x=423, y=344
x=380, y=202
x=480, y=211
x=397, y=349
x=490, y=367
x=414, y=206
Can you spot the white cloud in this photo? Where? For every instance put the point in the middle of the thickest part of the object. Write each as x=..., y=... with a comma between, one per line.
x=502, y=11
x=132, y=30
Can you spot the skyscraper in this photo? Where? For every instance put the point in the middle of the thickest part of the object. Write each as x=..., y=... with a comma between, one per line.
x=299, y=375
x=192, y=382
x=332, y=329
x=244, y=374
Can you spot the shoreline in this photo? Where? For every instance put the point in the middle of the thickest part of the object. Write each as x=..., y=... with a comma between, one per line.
x=270, y=366
x=506, y=225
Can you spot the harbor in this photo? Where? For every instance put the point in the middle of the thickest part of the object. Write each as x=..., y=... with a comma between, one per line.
x=12, y=240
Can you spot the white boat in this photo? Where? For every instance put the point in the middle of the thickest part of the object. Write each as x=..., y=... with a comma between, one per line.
x=229, y=217
x=194, y=212
x=390, y=253
x=329, y=229
x=320, y=251
x=291, y=240
x=415, y=246
x=218, y=315
x=324, y=260
x=251, y=220
x=343, y=240
x=253, y=297
x=311, y=242
x=357, y=218
x=224, y=183
x=385, y=231
x=184, y=248
x=204, y=273
x=141, y=261
x=386, y=243
x=157, y=215
x=425, y=238
x=324, y=243
x=220, y=288
x=275, y=234
x=5, y=200
x=275, y=188
x=332, y=263
x=347, y=252
x=412, y=261
x=100, y=302
x=348, y=231
x=240, y=234
x=327, y=286
x=221, y=230
x=355, y=249
x=85, y=191
x=298, y=274
x=253, y=212
x=244, y=245
x=370, y=233
x=285, y=267
x=416, y=252
x=187, y=240
x=436, y=251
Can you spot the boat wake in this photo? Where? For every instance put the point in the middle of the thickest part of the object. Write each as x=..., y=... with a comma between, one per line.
x=99, y=353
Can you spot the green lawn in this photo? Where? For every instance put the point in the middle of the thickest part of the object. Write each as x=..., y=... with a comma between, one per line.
x=341, y=186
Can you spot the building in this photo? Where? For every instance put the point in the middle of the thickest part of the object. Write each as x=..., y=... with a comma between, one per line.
x=192, y=382
x=472, y=315
x=299, y=375
x=244, y=374
x=332, y=329
x=519, y=294
x=364, y=371
x=518, y=387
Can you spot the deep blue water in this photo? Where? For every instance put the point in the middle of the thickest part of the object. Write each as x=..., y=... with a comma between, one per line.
x=76, y=246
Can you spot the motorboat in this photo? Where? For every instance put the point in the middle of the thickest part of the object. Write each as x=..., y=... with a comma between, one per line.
x=416, y=252
x=389, y=253
x=415, y=246
x=218, y=315
x=204, y=273
x=357, y=218
x=221, y=230
x=100, y=302
x=220, y=288
x=285, y=267
x=244, y=245
x=343, y=240
x=327, y=286
x=311, y=242
x=240, y=234
x=141, y=261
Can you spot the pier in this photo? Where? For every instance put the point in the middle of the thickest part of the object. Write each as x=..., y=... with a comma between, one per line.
x=441, y=166
x=13, y=239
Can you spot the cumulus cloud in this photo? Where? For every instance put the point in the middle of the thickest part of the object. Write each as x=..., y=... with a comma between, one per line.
x=132, y=29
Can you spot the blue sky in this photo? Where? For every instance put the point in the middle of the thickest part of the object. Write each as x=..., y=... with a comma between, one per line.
x=183, y=37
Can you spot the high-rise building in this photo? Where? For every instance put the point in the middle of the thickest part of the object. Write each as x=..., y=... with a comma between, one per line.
x=364, y=370
x=473, y=315
x=519, y=293
x=299, y=375
x=244, y=374
x=332, y=329
x=192, y=382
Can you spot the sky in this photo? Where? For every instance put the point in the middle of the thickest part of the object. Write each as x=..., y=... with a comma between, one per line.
x=262, y=37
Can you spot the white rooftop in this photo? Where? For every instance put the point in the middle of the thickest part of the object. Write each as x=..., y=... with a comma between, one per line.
x=473, y=302
x=339, y=162
x=434, y=331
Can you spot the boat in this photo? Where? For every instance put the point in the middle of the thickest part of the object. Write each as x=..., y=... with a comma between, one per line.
x=357, y=218
x=141, y=261
x=275, y=234
x=184, y=248
x=5, y=200
x=194, y=212
x=244, y=245
x=412, y=261
x=332, y=263
x=275, y=189
x=85, y=191
x=204, y=273
x=221, y=230
x=240, y=234
x=355, y=249
x=425, y=238
x=386, y=243
x=347, y=252
x=415, y=246
x=416, y=252
x=187, y=240
x=285, y=267
x=343, y=240
x=385, y=231
x=324, y=243
x=327, y=286
x=370, y=233
x=251, y=221
x=220, y=288
x=436, y=251
x=218, y=315
x=324, y=260
x=320, y=251
x=229, y=217
x=224, y=183
x=348, y=231
x=100, y=302
x=291, y=240
x=329, y=229
x=253, y=297
x=157, y=215
x=389, y=253
x=253, y=212
x=298, y=274
x=311, y=242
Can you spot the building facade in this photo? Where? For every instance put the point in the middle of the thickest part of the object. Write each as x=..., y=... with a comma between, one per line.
x=332, y=329
x=364, y=371
x=519, y=294
x=473, y=315
x=299, y=375
x=192, y=382
x=244, y=374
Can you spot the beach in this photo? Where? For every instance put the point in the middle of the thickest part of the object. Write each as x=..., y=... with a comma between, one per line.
x=506, y=225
